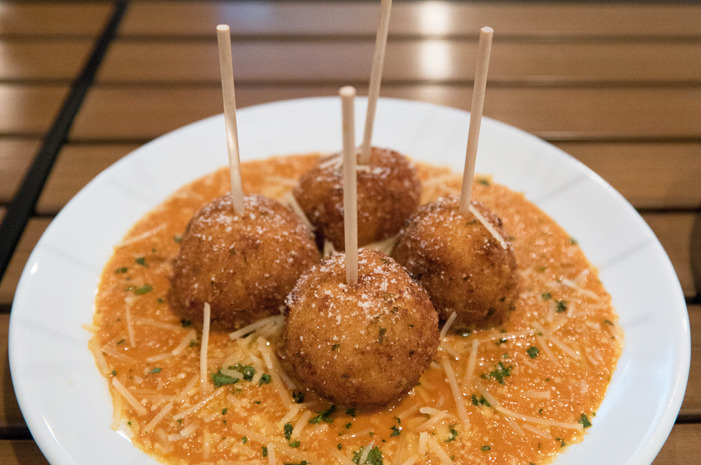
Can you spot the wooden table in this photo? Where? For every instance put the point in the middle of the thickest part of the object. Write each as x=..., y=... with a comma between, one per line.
x=616, y=85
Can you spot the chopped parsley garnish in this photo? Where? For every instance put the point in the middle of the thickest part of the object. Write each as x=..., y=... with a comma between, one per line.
x=584, y=421
x=546, y=296
x=141, y=261
x=114, y=372
x=453, y=434
x=244, y=439
x=295, y=444
x=121, y=341
x=121, y=270
x=608, y=322
x=485, y=448
x=484, y=182
x=348, y=425
x=265, y=451
x=500, y=373
x=373, y=458
x=573, y=241
x=562, y=442
x=246, y=370
x=224, y=410
x=298, y=397
x=350, y=411
x=264, y=379
x=303, y=462
x=155, y=370
x=185, y=323
x=220, y=379
x=533, y=351
x=324, y=416
x=561, y=306
x=396, y=431
x=288, y=430
x=480, y=401
x=177, y=240
x=142, y=289
x=335, y=346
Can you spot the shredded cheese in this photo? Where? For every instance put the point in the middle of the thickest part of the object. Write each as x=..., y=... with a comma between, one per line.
x=140, y=409
x=489, y=227
x=300, y=424
x=472, y=360
x=199, y=405
x=159, y=416
x=438, y=450
x=203, y=348
x=447, y=325
x=276, y=320
x=455, y=390
x=294, y=205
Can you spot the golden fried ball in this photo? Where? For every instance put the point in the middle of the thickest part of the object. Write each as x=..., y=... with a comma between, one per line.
x=364, y=344
x=388, y=192
x=242, y=265
x=464, y=268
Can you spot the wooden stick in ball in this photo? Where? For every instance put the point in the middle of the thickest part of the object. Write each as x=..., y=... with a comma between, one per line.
x=350, y=197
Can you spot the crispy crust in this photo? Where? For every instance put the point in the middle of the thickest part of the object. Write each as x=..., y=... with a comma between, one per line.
x=364, y=344
x=388, y=192
x=461, y=265
x=242, y=265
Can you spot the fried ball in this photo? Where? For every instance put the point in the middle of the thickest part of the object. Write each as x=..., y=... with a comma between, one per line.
x=360, y=345
x=388, y=192
x=464, y=268
x=242, y=265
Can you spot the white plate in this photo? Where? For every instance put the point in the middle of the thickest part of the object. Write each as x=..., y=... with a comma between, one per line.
x=66, y=403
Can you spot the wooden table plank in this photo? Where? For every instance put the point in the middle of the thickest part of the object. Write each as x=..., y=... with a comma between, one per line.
x=42, y=59
x=691, y=407
x=75, y=167
x=558, y=113
x=437, y=18
x=31, y=19
x=29, y=109
x=544, y=62
x=682, y=446
x=35, y=228
x=15, y=157
x=10, y=414
x=649, y=175
x=21, y=452
x=674, y=232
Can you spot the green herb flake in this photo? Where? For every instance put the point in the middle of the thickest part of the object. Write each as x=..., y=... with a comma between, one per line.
x=244, y=440
x=453, y=434
x=177, y=239
x=323, y=416
x=265, y=451
x=141, y=261
x=142, y=289
x=546, y=296
x=484, y=182
x=561, y=306
x=114, y=372
x=533, y=351
x=340, y=446
x=298, y=397
x=500, y=373
x=288, y=430
x=185, y=323
x=350, y=411
x=373, y=458
x=120, y=342
x=121, y=270
x=584, y=421
x=348, y=425
x=485, y=448
x=264, y=379
x=295, y=444
x=247, y=370
x=220, y=379
x=573, y=241
x=155, y=370
x=396, y=431
x=562, y=442
x=335, y=346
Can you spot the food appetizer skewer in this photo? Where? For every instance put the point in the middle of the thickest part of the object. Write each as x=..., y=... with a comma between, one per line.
x=241, y=254
x=389, y=189
x=456, y=248
x=358, y=329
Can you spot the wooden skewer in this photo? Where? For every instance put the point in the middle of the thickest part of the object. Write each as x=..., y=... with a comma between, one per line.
x=484, y=49
x=350, y=197
x=232, y=139
x=378, y=61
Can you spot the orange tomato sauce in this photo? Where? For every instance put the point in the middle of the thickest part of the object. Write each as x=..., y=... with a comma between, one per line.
x=521, y=392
